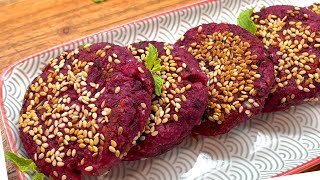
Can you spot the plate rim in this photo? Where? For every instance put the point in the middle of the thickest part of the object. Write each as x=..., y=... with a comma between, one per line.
x=9, y=69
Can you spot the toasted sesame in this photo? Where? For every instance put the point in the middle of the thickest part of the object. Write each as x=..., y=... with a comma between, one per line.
x=117, y=90
x=60, y=164
x=112, y=149
x=140, y=70
x=88, y=168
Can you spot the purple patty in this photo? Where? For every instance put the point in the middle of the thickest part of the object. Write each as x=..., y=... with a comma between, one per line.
x=240, y=74
x=181, y=104
x=292, y=37
x=82, y=113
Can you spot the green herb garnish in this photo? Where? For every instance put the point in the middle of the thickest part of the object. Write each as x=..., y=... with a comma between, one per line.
x=25, y=165
x=98, y=1
x=38, y=176
x=158, y=82
x=244, y=20
x=153, y=63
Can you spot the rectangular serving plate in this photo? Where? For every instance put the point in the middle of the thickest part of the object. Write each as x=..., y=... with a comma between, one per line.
x=269, y=145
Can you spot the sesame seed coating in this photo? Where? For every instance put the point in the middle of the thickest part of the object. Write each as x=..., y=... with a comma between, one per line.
x=315, y=7
x=179, y=107
x=239, y=73
x=291, y=35
x=74, y=110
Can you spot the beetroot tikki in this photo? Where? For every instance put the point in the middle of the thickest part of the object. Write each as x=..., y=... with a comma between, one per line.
x=240, y=74
x=180, y=104
x=81, y=114
x=292, y=37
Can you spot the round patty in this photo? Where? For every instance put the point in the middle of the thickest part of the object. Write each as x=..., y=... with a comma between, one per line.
x=82, y=113
x=181, y=104
x=292, y=37
x=239, y=71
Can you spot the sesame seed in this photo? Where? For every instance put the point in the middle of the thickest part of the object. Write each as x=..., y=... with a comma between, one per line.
x=103, y=54
x=82, y=161
x=175, y=117
x=60, y=164
x=257, y=76
x=73, y=153
x=141, y=51
x=96, y=141
x=113, y=143
x=88, y=168
x=120, y=130
x=82, y=145
x=140, y=70
x=117, y=61
x=188, y=86
x=58, y=159
x=317, y=45
x=117, y=90
x=41, y=156
x=38, y=142
x=48, y=160
x=94, y=115
x=143, y=105
x=154, y=133
x=112, y=149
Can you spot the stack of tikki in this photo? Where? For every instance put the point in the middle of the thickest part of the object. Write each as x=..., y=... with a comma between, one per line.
x=99, y=104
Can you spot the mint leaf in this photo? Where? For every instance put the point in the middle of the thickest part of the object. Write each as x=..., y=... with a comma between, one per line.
x=244, y=20
x=33, y=166
x=158, y=82
x=38, y=176
x=156, y=67
x=24, y=164
x=98, y=1
x=152, y=57
x=153, y=63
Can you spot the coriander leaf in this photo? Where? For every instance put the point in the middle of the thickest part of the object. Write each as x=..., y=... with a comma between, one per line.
x=244, y=20
x=98, y=1
x=38, y=176
x=158, y=82
x=152, y=57
x=24, y=164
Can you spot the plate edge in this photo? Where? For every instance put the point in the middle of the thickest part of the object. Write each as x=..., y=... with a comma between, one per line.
x=300, y=168
x=10, y=68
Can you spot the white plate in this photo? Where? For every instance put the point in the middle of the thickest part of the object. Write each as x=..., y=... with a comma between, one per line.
x=259, y=149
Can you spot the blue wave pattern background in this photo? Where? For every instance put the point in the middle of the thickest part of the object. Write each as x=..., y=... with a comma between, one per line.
x=259, y=149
